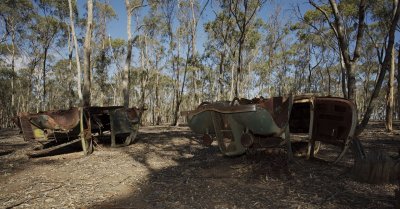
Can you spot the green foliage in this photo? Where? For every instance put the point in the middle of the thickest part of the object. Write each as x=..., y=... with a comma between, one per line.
x=277, y=56
x=104, y=10
x=6, y=74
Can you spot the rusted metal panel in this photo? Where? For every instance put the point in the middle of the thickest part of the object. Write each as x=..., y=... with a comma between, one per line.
x=59, y=119
x=122, y=120
x=237, y=124
x=334, y=120
x=26, y=128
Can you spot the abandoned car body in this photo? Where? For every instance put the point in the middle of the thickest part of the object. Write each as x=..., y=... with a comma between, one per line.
x=59, y=128
x=243, y=125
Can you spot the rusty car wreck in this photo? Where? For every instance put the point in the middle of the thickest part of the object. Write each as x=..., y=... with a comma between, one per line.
x=59, y=128
x=244, y=125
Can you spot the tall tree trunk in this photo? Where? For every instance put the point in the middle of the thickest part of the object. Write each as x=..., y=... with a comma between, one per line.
x=309, y=70
x=329, y=82
x=390, y=95
x=232, y=82
x=78, y=64
x=87, y=53
x=366, y=89
x=158, y=108
x=182, y=87
x=351, y=81
x=43, y=104
x=13, y=109
x=70, y=52
x=309, y=78
x=338, y=27
x=239, y=68
x=193, y=59
x=385, y=66
x=221, y=77
x=79, y=76
x=143, y=73
x=126, y=75
x=177, y=92
x=398, y=84
x=343, y=78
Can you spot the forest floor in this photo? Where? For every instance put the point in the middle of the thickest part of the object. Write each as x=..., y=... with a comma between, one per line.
x=169, y=168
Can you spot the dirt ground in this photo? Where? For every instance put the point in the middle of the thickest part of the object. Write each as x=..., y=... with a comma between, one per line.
x=169, y=168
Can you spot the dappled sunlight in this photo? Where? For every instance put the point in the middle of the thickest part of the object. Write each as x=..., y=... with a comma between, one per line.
x=210, y=180
x=170, y=169
x=199, y=104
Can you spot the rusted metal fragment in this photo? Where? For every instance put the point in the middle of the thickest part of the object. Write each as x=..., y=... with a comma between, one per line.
x=60, y=119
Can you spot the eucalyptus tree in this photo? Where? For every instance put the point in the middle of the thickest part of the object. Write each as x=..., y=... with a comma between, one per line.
x=72, y=12
x=50, y=29
x=143, y=76
x=220, y=32
x=350, y=59
x=244, y=13
x=150, y=45
x=14, y=16
x=335, y=14
x=75, y=42
x=382, y=13
x=47, y=30
x=6, y=77
x=158, y=43
x=183, y=38
x=275, y=54
x=250, y=57
x=103, y=13
x=169, y=11
x=386, y=62
x=197, y=10
x=84, y=98
x=87, y=51
x=312, y=29
x=398, y=81
x=118, y=51
x=131, y=6
x=62, y=94
x=368, y=72
x=390, y=94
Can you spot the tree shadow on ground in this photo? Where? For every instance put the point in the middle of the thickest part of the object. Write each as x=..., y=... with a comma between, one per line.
x=195, y=176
